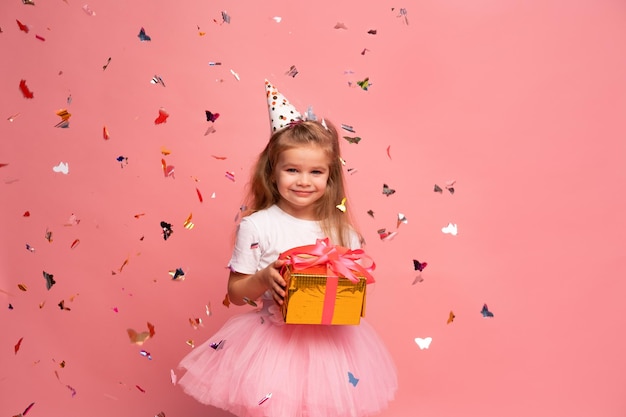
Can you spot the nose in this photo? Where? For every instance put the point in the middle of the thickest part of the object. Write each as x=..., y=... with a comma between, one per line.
x=303, y=179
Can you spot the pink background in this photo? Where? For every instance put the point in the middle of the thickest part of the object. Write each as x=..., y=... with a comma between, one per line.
x=520, y=102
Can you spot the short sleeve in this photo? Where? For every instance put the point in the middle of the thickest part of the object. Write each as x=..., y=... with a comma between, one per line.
x=247, y=253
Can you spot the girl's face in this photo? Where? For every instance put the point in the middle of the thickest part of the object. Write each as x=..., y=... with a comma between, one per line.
x=301, y=175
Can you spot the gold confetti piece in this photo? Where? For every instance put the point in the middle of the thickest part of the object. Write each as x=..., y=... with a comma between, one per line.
x=22, y=287
x=342, y=205
x=190, y=343
x=105, y=133
x=165, y=151
x=188, y=224
x=196, y=323
x=208, y=309
x=136, y=337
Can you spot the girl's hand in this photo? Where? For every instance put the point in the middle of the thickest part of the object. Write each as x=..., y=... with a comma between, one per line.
x=274, y=281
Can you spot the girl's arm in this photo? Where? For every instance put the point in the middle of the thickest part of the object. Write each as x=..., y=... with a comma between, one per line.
x=252, y=286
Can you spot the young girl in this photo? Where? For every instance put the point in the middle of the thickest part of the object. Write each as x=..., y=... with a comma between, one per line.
x=256, y=365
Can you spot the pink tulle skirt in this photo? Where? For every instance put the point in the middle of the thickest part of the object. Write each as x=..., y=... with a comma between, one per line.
x=265, y=368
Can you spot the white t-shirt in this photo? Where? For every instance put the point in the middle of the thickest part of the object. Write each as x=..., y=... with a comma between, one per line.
x=265, y=234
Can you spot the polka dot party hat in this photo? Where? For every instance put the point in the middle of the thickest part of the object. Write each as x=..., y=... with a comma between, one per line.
x=281, y=111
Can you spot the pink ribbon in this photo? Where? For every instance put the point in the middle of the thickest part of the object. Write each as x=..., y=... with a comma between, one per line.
x=341, y=261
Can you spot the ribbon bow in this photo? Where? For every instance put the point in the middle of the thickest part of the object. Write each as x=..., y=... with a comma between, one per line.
x=341, y=261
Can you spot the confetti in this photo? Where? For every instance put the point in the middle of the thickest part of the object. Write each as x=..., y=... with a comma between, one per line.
x=348, y=128
x=211, y=117
x=423, y=343
x=213, y=64
x=403, y=14
x=39, y=37
x=370, y=213
x=364, y=51
x=388, y=191
x=385, y=235
x=199, y=194
x=451, y=317
x=26, y=410
x=196, y=323
x=23, y=28
x=218, y=345
x=209, y=130
x=165, y=151
x=267, y=397
x=250, y=302
x=162, y=117
x=220, y=158
x=65, y=119
x=419, y=266
x=292, y=72
x=235, y=75
x=402, y=219
x=438, y=189
x=48, y=235
x=365, y=84
x=105, y=133
x=190, y=343
x=18, y=345
x=340, y=25
x=485, y=311
x=277, y=19
x=28, y=2
x=177, y=275
x=62, y=306
x=137, y=338
x=72, y=390
x=230, y=175
x=352, y=379
x=26, y=214
x=140, y=389
x=342, y=206
x=30, y=248
x=167, y=230
x=418, y=279
x=143, y=37
x=168, y=170
x=225, y=17
x=105, y=66
x=157, y=80
x=389, y=151
x=10, y=119
x=49, y=280
x=24, y=88
x=173, y=377
x=88, y=10
x=226, y=301
x=188, y=224
x=145, y=354
x=208, y=309
x=74, y=243
x=123, y=160
x=354, y=140
x=450, y=229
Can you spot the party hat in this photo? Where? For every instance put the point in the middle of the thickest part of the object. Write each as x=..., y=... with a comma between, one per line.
x=281, y=111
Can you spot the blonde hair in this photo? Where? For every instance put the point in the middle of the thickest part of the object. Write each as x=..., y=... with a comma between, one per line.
x=263, y=193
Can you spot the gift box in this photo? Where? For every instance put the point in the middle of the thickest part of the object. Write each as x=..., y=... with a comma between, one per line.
x=325, y=284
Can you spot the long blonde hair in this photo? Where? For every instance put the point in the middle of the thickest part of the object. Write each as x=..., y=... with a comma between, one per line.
x=263, y=193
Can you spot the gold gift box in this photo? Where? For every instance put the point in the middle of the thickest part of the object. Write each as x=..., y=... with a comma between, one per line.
x=306, y=293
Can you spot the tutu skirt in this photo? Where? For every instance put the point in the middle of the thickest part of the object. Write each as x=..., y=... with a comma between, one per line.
x=257, y=366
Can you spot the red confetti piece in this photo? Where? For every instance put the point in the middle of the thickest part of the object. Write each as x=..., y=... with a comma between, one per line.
x=162, y=118
x=26, y=214
x=168, y=170
x=389, y=151
x=105, y=133
x=226, y=301
x=3, y=165
x=230, y=176
x=140, y=389
x=41, y=38
x=74, y=243
x=151, y=329
x=199, y=194
x=221, y=158
x=124, y=264
x=25, y=90
x=139, y=215
x=22, y=26
x=17, y=346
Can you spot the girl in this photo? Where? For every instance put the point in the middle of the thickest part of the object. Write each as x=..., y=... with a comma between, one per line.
x=257, y=366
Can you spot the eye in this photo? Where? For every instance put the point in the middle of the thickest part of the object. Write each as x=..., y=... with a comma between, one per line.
x=291, y=170
x=316, y=172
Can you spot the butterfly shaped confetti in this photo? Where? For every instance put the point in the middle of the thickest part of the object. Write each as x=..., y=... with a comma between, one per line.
x=292, y=72
x=177, y=275
x=402, y=219
x=354, y=140
x=25, y=90
x=450, y=229
x=225, y=17
x=423, y=343
x=167, y=230
x=419, y=266
x=157, y=80
x=385, y=235
x=168, y=170
x=211, y=117
x=162, y=117
x=485, y=311
x=352, y=379
x=143, y=37
x=388, y=191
